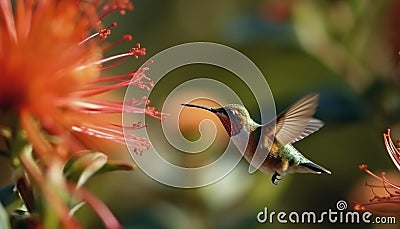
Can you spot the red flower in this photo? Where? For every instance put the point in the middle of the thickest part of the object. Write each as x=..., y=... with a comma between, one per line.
x=388, y=203
x=52, y=71
x=52, y=68
x=392, y=150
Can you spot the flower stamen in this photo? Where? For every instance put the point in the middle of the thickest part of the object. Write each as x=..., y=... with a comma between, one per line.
x=136, y=52
x=124, y=38
x=121, y=5
x=103, y=34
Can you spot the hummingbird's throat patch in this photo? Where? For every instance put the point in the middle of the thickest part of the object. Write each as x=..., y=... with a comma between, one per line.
x=232, y=128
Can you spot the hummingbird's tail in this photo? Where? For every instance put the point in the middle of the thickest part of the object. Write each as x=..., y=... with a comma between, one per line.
x=311, y=167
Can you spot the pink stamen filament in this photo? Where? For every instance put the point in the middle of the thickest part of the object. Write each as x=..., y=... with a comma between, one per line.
x=134, y=77
x=383, y=179
x=136, y=52
x=136, y=80
x=89, y=38
x=391, y=149
x=378, y=200
x=102, y=34
x=119, y=78
x=121, y=6
x=121, y=61
x=104, y=107
x=114, y=58
x=125, y=38
x=138, y=144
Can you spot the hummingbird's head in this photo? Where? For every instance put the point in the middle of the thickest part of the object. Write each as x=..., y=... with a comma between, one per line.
x=232, y=116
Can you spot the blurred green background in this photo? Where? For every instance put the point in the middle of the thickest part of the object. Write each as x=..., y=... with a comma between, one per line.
x=346, y=50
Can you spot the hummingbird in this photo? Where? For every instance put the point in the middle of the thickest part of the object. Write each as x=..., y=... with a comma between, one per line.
x=274, y=138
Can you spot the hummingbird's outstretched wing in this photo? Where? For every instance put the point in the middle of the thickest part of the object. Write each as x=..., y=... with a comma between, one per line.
x=292, y=125
x=312, y=126
x=296, y=122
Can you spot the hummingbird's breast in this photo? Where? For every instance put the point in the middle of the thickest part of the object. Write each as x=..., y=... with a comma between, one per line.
x=277, y=159
x=243, y=141
x=246, y=142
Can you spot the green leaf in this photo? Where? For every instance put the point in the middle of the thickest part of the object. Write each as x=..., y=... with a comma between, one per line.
x=4, y=221
x=111, y=166
x=76, y=207
x=80, y=169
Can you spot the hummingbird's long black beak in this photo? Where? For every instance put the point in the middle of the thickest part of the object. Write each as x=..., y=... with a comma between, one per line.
x=198, y=106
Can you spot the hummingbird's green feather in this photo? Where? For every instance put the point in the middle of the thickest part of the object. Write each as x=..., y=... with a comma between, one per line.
x=299, y=163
